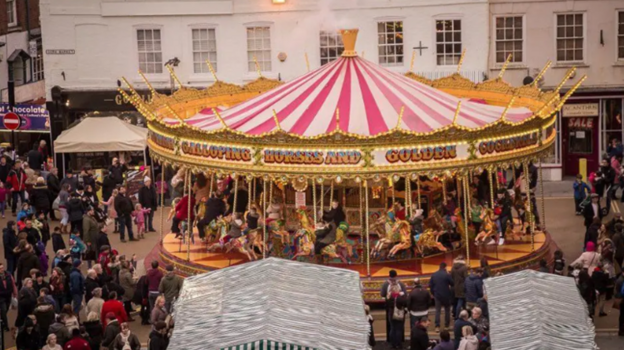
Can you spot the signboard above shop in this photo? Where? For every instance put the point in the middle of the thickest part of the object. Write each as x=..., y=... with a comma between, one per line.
x=34, y=118
x=580, y=110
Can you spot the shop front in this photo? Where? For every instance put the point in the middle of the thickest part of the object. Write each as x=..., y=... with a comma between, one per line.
x=35, y=126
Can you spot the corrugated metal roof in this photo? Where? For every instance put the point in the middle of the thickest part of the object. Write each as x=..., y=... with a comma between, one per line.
x=530, y=310
x=274, y=299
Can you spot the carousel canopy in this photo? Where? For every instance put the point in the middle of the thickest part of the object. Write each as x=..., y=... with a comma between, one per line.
x=271, y=304
x=367, y=98
x=534, y=310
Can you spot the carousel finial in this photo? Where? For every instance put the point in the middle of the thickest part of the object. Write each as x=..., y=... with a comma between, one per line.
x=138, y=103
x=216, y=113
x=398, y=126
x=504, y=68
x=212, y=71
x=173, y=75
x=571, y=91
x=149, y=86
x=349, y=37
x=412, y=61
x=461, y=60
x=258, y=70
x=456, y=113
x=502, y=117
x=541, y=73
x=337, y=118
x=566, y=78
x=277, y=123
x=175, y=114
x=307, y=62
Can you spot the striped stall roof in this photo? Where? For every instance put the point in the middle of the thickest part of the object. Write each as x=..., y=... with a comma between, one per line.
x=369, y=99
x=271, y=304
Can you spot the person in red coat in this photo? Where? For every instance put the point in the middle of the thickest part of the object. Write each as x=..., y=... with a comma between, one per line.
x=77, y=342
x=182, y=210
x=16, y=181
x=116, y=307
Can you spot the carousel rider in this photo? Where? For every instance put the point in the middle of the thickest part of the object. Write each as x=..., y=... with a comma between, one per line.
x=242, y=199
x=336, y=215
x=215, y=207
x=325, y=233
x=399, y=212
x=252, y=219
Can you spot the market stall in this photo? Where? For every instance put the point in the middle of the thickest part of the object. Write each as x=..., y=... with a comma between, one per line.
x=271, y=304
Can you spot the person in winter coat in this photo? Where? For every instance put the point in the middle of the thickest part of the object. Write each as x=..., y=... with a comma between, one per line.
x=75, y=212
x=182, y=212
x=459, y=272
x=124, y=209
x=125, y=339
x=148, y=200
x=40, y=197
x=8, y=290
x=440, y=285
x=478, y=320
x=114, y=306
x=58, y=243
x=468, y=341
x=26, y=302
x=76, y=285
x=170, y=286
x=385, y=288
x=16, y=181
x=9, y=241
x=94, y=328
x=215, y=207
x=588, y=291
x=601, y=280
x=419, y=338
x=111, y=330
x=95, y=304
x=77, y=342
x=460, y=323
x=117, y=171
x=108, y=185
x=474, y=287
x=159, y=313
x=28, y=337
x=91, y=283
x=54, y=186
x=445, y=341
x=59, y=329
x=51, y=343
x=127, y=282
x=90, y=232
x=102, y=240
x=44, y=313
x=140, y=297
x=418, y=302
x=158, y=339
x=588, y=259
x=27, y=261
x=5, y=169
x=154, y=276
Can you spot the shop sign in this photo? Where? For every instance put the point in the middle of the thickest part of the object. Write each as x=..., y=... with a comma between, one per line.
x=580, y=110
x=507, y=144
x=34, y=117
x=297, y=157
x=581, y=123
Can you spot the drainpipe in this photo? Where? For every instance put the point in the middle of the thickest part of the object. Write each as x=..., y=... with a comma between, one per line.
x=26, y=2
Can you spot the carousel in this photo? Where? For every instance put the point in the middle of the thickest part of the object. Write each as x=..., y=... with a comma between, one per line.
x=355, y=166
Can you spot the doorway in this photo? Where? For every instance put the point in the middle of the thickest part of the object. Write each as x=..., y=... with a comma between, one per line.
x=580, y=140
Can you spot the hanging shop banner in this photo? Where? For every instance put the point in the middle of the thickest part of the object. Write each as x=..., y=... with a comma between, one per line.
x=411, y=156
x=271, y=157
x=505, y=145
x=35, y=118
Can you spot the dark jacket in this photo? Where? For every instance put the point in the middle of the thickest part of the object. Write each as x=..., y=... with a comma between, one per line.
x=419, y=300
x=61, y=332
x=588, y=213
x=58, y=242
x=440, y=284
x=474, y=288
x=600, y=279
x=76, y=282
x=75, y=209
x=40, y=198
x=154, y=276
x=116, y=172
x=26, y=262
x=110, y=333
x=337, y=215
x=73, y=183
x=148, y=197
x=108, y=185
x=45, y=315
x=459, y=272
x=386, y=285
x=242, y=198
x=123, y=205
x=215, y=207
x=90, y=230
x=7, y=292
x=102, y=240
x=4, y=171
x=28, y=341
x=94, y=328
x=35, y=159
x=90, y=285
x=618, y=244
x=419, y=339
x=457, y=330
x=54, y=185
x=157, y=341
x=9, y=241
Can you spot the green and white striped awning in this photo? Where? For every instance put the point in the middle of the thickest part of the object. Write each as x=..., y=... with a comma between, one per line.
x=268, y=345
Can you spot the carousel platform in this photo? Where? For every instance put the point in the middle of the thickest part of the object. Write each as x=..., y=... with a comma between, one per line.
x=512, y=256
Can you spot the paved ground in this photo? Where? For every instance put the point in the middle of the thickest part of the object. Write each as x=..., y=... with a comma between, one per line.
x=566, y=228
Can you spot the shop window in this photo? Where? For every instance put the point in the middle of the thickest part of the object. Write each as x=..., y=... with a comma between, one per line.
x=620, y=38
x=150, y=52
x=509, y=38
x=570, y=38
x=331, y=46
x=390, y=43
x=581, y=141
x=448, y=42
x=611, y=122
x=204, y=49
x=259, y=48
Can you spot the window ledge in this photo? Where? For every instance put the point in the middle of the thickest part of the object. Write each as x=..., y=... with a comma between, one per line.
x=14, y=28
x=619, y=63
x=511, y=67
x=570, y=65
x=201, y=79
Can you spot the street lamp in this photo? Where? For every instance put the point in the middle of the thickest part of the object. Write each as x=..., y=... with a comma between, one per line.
x=174, y=62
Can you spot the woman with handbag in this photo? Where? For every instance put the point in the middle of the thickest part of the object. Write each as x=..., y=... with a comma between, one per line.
x=396, y=303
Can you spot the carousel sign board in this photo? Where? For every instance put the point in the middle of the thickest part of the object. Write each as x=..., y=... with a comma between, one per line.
x=406, y=156
x=271, y=157
x=507, y=144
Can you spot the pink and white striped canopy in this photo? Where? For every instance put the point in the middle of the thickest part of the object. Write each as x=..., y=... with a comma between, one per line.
x=368, y=97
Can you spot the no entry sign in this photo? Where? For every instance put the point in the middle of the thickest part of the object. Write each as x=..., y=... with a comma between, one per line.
x=11, y=121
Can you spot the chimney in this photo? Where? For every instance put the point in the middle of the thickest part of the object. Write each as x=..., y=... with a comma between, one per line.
x=349, y=36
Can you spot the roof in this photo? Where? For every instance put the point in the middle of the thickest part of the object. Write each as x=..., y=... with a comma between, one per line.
x=18, y=53
x=534, y=310
x=367, y=97
x=271, y=300
x=101, y=134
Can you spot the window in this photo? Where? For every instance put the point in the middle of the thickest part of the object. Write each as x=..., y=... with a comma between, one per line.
x=12, y=12
x=390, y=43
x=331, y=46
x=150, y=54
x=570, y=37
x=448, y=42
x=37, y=63
x=620, y=38
x=204, y=48
x=509, y=38
x=611, y=127
x=259, y=48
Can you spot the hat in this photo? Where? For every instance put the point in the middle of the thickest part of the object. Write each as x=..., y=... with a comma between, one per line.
x=146, y=179
x=77, y=263
x=40, y=180
x=590, y=247
x=594, y=195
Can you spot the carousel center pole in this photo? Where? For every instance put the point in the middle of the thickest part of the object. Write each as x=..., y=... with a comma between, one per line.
x=368, y=272
x=212, y=177
x=529, y=210
x=314, y=202
x=492, y=179
x=264, y=210
x=189, y=214
x=322, y=197
x=331, y=195
x=465, y=183
x=541, y=180
x=418, y=191
x=235, y=196
x=162, y=204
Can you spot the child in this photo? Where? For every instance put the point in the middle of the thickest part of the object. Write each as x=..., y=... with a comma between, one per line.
x=57, y=240
x=581, y=188
x=139, y=219
x=59, y=256
x=41, y=225
x=110, y=206
x=559, y=263
x=43, y=258
x=76, y=246
x=3, y=197
x=24, y=212
x=161, y=189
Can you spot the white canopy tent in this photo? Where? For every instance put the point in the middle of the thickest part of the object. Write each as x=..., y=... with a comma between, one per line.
x=101, y=134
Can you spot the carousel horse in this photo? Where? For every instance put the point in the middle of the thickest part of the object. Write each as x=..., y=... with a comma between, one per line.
x=200, y=211
x=461, y=228
x=433, y=229
x=489, y=229
x=389, y=236
x=329, y=251
x=221, y=229
x=511, y=233
x=341, y=238
x=403, y=231
x=383, y=224
x=305, y=236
